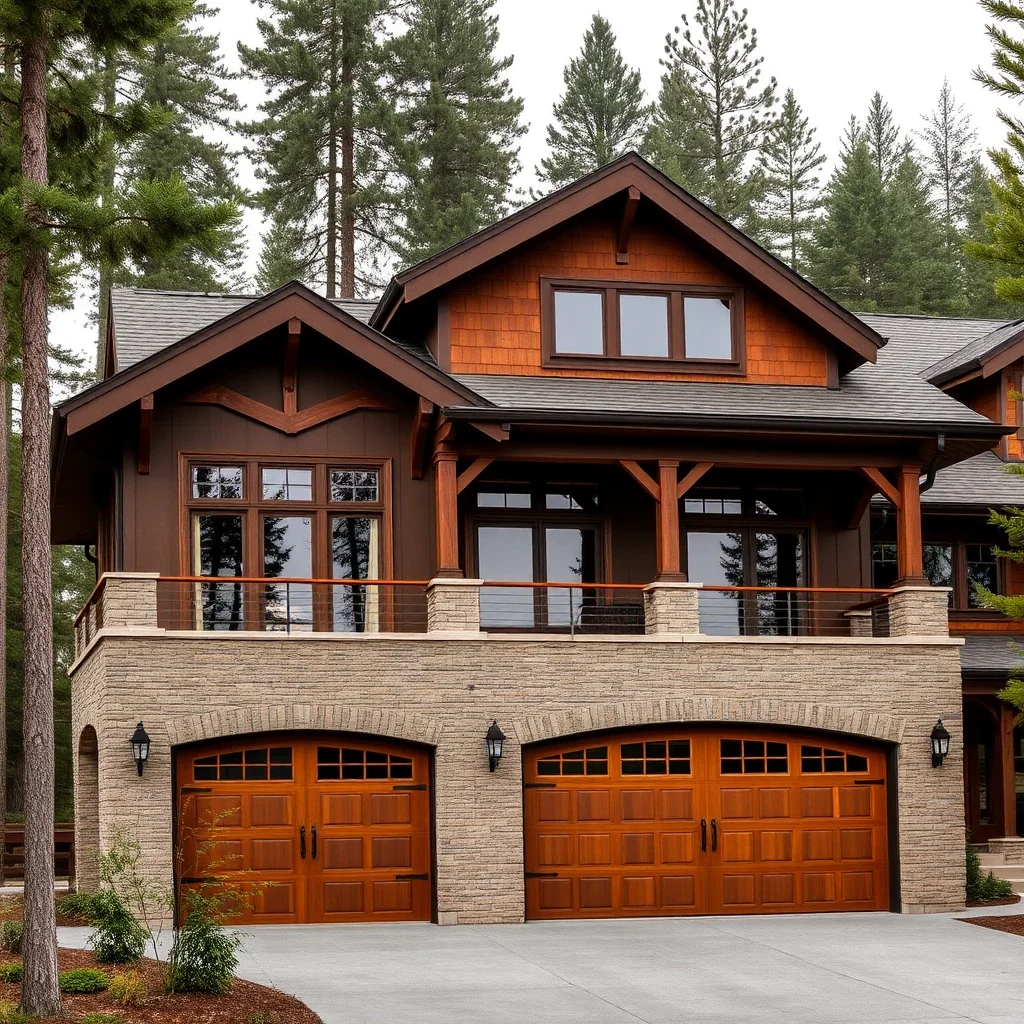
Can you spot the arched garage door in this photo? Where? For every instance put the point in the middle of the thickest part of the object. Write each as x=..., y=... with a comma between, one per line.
x=704, y=821
x=309, y=828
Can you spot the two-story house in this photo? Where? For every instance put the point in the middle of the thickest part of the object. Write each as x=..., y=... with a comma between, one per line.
x=597, y=480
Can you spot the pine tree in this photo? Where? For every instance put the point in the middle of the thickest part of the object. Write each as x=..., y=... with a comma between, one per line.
x=602, y=113
x=713, y=112
x=883, y=138
x=789, y=167
x=318, y=147
x=456, y=124
x=279, y=259
x=950, y=157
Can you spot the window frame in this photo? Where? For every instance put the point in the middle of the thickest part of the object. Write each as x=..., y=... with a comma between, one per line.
x=675, y=360
x=321, y=510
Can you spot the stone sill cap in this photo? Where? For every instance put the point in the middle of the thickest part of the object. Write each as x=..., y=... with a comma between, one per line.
x=923, y=590
x=130, y=576
x=453, y=581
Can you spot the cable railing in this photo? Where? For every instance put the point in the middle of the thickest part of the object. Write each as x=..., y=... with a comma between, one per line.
x=574, y=608
x=792, y=611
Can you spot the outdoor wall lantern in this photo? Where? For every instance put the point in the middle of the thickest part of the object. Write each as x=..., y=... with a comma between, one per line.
x=140, y=746
x=495, y=738
x=940, y=743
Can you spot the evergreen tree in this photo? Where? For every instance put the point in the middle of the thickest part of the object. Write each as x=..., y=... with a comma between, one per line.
x=950, y=158
x=279, y=259
x=789, y=165
x=883, y=137
x=602, y=113
x=1004, y=224
x=713, y=111
x=318, y=148
x=456, y=124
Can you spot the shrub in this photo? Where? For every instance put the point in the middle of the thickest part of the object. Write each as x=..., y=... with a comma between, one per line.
x=204, y=956
x=99, y=1018
x=128, y=989
x=982, y=888
x=118, y=938
x=10, y=1014
x=10, y=936
x=83, y=979
x=265, y=1017
x=80, y=904
x=11, y=971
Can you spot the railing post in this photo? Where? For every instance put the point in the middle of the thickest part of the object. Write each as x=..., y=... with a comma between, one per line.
x=453, y=606
x=129, y=600
x=919, y=611
x=671, y=608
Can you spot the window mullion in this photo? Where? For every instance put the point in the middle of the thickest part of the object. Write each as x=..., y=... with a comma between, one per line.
x=612, y=342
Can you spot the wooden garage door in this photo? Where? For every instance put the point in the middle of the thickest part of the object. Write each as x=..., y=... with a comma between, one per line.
x=322, y=828
x=702, y=821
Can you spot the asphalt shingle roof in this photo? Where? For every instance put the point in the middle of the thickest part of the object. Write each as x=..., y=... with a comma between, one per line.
x=917, y=342
x=991, y=653
x=970, y=357
x=147, y=320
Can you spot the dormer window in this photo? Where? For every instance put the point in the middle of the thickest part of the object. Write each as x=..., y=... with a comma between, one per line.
x=586, y=323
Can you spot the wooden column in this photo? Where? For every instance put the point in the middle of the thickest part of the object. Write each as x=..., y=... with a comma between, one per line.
x=446, y=512
x=1006, y=798
x=669, y=568
x=909, y=550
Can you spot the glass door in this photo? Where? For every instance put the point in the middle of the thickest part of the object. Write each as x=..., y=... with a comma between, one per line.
x=217, y=551
x=288, y=552
x=506, y=553
x=569, y=557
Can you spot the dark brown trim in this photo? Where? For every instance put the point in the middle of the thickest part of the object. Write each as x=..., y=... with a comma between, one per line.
x=644, y=479
x=739, y=253
x=443, y=355
x=612, y=359
x=420, y=435
x=145, y=432
x=883, y=485
x=467, y=476
x=626, y=224
x=289, y=383
x=691, y=478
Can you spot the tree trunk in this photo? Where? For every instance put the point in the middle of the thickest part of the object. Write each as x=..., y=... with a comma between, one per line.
x=106, y=271
x=331, y=254
x=40, y=994
x=5, y=469
x=348, y=162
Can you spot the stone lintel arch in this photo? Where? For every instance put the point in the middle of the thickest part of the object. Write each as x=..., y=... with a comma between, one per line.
x=399, y=725
x=722, y=710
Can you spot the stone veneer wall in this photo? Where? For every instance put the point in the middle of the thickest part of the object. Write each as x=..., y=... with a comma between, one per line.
x=444, y=691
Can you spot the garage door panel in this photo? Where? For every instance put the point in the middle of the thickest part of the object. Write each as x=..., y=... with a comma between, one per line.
x=344, y=897
x=267, y=811
x=343, y=853
x=788, y=825
x=341, y=808
x=271, y=854
x=222, y=810
x=219, y=856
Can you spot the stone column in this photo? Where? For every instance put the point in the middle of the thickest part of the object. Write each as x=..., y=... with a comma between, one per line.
x=919, y=611
x=453, y=606
x=671, y=608
x=130, y=600
x=861, y=622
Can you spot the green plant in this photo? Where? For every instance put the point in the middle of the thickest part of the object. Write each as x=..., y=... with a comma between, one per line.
x=118, y=937
x=10, y=1014
x=10, y=936
x=83, y=979
x=128, y=988
x=982, y=888
x=265, y=1017
x=204, y=956
x=79, y=904
x=11, y=971
x=99, y=1018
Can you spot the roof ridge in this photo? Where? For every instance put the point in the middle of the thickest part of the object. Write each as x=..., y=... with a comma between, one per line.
x=186, y=291
x=934, y=316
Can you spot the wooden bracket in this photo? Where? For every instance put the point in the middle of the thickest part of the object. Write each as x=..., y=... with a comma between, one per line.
x=420, y=433
x=495, y=431
x=882, y=483
x=288, y=423
x=644, y=479
x=290, y=397
x=467, y=476
x=626, y=224
x=145, y=432
x=692, y=477
x=863, y=504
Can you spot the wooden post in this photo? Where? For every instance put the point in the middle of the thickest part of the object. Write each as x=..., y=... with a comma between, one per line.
x=1007, y=799
x=669, y=568
x=446, y=513
x=909, y=548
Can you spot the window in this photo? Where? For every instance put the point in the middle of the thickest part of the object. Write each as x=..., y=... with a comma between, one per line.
x=656, y=757
x=754, y=757
x=959, y=565
x=591, y=761
x=714, y=503
x=699, y=325
x=352, y=764
x=982, y=571
x=504, y=499
x=273, y=763
x=817, y=760
x=290, y=522
x=217, y=482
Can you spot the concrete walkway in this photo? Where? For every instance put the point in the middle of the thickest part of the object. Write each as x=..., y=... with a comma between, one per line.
x=824, y=969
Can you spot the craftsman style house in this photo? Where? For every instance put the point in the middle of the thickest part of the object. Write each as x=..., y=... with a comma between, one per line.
x=606, y=482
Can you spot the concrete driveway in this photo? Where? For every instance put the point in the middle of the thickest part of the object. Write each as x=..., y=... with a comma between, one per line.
x=840, y=969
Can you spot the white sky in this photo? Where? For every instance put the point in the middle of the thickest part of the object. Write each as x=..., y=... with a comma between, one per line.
x=834, y=55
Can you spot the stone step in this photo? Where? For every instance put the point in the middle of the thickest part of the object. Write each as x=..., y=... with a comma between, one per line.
x=990, y=860
x=1011, y=872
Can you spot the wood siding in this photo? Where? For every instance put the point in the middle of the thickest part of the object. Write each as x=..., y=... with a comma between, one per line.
x=495, y=315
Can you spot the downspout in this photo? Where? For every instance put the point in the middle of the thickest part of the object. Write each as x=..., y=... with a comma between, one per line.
x=929, y=479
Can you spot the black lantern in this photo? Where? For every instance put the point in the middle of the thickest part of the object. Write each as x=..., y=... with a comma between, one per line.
x=140, y=746
x=940, y=743
x=495, y=738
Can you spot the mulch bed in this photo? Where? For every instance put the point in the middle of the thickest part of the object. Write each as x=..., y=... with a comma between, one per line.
x=11, y=910
x=1009, y=901
x=244, y=1003
x=1014, y=923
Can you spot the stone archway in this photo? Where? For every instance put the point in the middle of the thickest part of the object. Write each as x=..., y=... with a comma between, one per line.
x=87, y=811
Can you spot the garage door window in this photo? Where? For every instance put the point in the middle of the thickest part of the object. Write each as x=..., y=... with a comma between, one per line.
x=754, y=757
x=592, y=761
x=273, y=763
x=815, y=760
x=656, y=757
x=353, y=763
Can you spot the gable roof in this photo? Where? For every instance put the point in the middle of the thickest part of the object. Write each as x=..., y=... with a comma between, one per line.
x=979, y=354
x=237, y=328
x=740, y=255
x=147, y=320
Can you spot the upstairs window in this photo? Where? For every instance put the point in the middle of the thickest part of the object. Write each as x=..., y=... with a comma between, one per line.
x=640, y=324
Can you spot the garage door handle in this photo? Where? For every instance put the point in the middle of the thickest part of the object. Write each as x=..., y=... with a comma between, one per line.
x=703, y=835
x=314, y=842
x=714, y=835
x=302, y=841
